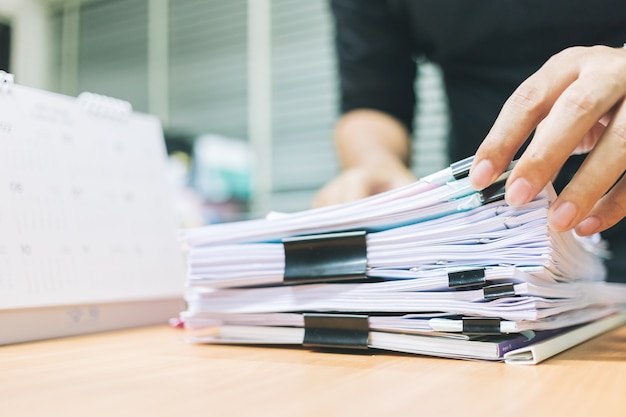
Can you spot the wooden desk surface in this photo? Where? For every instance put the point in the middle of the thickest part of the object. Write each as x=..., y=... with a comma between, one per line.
x=152, y=372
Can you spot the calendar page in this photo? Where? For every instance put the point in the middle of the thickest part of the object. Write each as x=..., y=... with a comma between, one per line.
x=86, y=214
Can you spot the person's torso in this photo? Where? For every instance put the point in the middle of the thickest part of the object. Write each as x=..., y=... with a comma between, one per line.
x=497, y=31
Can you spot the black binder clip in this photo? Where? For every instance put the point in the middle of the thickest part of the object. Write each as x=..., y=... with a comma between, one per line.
x=494, y=192
x=481, y=326
x=493, y=292
x=344, y=331
x=460, y=169
x=469, y=279
x=323, y=258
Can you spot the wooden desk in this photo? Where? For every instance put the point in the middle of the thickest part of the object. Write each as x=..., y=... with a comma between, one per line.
x=152, y=372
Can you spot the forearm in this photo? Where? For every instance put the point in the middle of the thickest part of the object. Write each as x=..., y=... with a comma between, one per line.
x=374, y=152
x=370, y=138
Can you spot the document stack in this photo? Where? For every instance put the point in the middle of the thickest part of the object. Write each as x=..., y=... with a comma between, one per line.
x=434, y=268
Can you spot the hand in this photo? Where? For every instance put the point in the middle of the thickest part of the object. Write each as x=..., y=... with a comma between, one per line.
x=360, y=182
x=373, y=149
x=576, y=102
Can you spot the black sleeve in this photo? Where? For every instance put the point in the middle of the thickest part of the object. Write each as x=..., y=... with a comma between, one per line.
x=376, y=66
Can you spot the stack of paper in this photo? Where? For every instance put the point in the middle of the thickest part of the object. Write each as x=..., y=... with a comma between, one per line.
x=435, y=268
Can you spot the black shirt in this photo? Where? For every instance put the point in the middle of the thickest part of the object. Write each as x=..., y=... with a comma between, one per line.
x=485, y=49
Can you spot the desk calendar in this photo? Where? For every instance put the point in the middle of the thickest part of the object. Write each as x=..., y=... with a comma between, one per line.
x=87, y=225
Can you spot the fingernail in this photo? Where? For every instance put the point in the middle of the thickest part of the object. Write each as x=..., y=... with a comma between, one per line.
x=481, y=174
x=589, y=226
x=563, y=216
x=518, y=193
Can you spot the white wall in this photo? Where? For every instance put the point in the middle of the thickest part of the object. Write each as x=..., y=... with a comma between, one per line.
x=30, y=48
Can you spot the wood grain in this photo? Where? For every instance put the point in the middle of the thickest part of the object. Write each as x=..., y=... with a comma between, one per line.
x=153, y=372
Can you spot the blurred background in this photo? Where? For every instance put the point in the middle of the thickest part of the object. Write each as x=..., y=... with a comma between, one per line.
x=246, y=90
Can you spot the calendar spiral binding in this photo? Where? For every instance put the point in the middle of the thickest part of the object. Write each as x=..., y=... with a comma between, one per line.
x=104, y=105
x=6, y=81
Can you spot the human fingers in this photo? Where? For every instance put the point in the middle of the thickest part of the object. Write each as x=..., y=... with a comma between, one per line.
x=607, y=212
x=573, y=115
x=360, y=182
x=363, y=182
x=602, y=168
x=328, y=195
x=590, y=139
x=357, y=184
x=350, y=185
x=521, y=113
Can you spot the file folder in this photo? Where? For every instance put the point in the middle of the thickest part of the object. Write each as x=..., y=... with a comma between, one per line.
x=525, y=348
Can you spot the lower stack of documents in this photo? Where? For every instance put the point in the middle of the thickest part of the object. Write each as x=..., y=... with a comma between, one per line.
x=434, y=268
